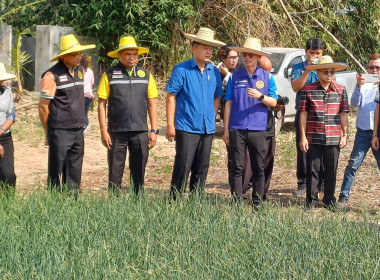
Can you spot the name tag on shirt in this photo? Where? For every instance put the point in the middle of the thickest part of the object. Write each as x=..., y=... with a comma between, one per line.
x=117, y=76
x=63, y=78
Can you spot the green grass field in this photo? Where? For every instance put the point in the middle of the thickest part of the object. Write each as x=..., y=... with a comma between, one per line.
x=45, y=236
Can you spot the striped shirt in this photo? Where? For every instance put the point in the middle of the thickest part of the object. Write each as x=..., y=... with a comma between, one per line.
x=323, y=121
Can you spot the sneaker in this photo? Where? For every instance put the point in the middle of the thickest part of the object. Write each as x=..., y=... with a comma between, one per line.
x=300, y=192
x=342, y=201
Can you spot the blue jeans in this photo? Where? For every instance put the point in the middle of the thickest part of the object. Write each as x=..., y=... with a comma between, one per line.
x=87, y=105
x=361, y=146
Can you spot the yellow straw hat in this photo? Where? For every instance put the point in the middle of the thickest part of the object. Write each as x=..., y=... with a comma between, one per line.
x=127, y=43
x=326, y=62
x=205, y=36
x=251, y=45
x=69, y=44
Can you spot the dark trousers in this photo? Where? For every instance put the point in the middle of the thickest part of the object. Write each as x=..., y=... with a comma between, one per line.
x=270, y=146
x=192, y=154
x=255, y=141
x=7, y=169
x=329, y=156
x=137, y=144
x=66, y=151
x=301, y=158
x=87, y=105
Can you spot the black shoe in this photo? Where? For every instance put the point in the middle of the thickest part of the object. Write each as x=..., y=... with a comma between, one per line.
x=332, y=206
x=300, y=192
x=312, y=204
x=342, y=202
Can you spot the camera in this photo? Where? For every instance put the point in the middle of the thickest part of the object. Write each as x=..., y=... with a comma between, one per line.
x=282, y=100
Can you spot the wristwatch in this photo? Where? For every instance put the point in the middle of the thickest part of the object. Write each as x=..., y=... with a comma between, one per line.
x=156, y=131
x=261, y=97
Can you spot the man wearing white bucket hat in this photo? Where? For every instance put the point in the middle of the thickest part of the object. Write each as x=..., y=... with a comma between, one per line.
x=250, y=92
x=131, y=93
x=62, y=115
x=323, y=128
x=7, y=118
x=193, y=94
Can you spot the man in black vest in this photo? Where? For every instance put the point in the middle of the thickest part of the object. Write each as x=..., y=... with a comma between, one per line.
x=130, y=92
x=61, y=110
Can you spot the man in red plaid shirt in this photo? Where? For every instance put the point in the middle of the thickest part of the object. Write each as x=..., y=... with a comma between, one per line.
x=323, y=127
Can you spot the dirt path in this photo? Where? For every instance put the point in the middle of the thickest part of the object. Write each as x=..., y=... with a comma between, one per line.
x=31, y=166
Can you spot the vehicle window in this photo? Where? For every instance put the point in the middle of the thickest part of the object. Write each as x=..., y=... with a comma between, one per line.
x=295, y=61
x=276, y=59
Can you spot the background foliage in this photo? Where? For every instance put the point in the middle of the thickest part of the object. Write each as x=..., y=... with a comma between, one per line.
x=157, y=24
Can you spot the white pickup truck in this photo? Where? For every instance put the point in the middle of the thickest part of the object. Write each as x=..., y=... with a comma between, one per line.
x=283, y=60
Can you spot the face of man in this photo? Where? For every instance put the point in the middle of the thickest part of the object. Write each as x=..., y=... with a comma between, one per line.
x=72, y=59
x=250, y=59
x=231, y=60
x=313, y=54
x=374, y=67
x=129, y=58
x=326, y=76
x=201, y=53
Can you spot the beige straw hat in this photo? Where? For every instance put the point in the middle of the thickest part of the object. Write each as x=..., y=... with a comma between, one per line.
x=326, y=62
x=127, y=43
x=4, y=75
x=69, y=44
x=205, y=36
x=251, y=45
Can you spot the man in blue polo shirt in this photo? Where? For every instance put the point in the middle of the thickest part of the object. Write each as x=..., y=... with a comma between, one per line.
x=193, y=94
x=250, y=92
x=301, y=77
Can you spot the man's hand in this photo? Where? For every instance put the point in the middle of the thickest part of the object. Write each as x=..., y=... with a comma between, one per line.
x=375, y=143
x=360, y=80
x=304, y=144
x=170, y=133
x=1, y=151
x=152, y=140
x=226, y=137
x=254, y=93
x=343, y=141
x=106, y=140
x=46, y=141
x=223, y=69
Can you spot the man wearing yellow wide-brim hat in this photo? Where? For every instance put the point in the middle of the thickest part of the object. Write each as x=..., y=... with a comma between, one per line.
x=131, y=93
x=193, y=94
x=323, y=128
x=62, y=114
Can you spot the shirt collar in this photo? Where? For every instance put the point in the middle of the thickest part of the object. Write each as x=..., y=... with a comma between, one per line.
x=245, y=73
x=332, y=85
x=194, y=64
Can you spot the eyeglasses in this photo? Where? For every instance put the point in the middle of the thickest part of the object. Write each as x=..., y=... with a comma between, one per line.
x=374, y=67
x=327, y=72
x=250, y=55
x=232, y=58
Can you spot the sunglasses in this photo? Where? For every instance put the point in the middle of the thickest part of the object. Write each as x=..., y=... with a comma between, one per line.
x=374, y=67
x=327, y=72
x=250, y=55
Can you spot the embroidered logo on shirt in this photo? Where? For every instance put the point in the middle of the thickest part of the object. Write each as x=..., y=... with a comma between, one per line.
x=80, y=75
x=259, y=84
x=63, y=78
x=141, y=73
x=44, y=93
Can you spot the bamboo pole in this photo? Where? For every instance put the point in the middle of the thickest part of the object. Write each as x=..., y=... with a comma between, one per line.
x=339, y=43
x=290, y=18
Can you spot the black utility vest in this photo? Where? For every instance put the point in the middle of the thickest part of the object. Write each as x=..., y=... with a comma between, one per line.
x=128, y=99
x=66, y=110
